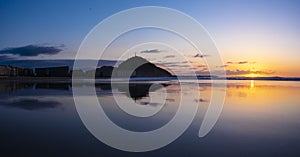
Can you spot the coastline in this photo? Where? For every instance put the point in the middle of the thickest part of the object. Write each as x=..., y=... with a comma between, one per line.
x=46, y=79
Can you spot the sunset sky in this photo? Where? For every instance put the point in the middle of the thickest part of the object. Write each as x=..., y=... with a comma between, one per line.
x=255, y=38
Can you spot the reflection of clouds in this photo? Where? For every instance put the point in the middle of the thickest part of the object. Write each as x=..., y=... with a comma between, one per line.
x=242, y=94
x=170, y=100
x=11, y=86
x=150, y=104
x=30, y=104
x=169, y=56
x=200, y=100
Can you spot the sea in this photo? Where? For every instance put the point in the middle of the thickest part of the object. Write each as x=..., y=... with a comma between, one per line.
x=257, y=117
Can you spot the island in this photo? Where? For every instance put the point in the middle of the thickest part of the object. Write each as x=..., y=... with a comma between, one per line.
x=134, y=67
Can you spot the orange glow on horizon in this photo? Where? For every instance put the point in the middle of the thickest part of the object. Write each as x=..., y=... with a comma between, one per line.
x=253, y=75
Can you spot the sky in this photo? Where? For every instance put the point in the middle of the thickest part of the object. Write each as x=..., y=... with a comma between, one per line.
x=254, y=38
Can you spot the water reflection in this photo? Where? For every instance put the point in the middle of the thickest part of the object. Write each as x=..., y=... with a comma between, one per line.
x=133, y=90
x=259, y=118
x=11, y=86
x=30, y=104
x=252, y=84
x=56, y=86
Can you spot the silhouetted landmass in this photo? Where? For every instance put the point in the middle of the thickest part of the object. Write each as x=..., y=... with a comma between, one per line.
x=44, y=63
x=134, y=67
x=139, y=67
x=62, y=71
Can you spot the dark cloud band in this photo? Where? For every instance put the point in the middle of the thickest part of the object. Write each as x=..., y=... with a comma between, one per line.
x=31, y=50
x=151, y=51
x=200, y=56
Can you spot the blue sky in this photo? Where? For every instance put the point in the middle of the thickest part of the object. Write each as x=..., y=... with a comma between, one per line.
x=242, y=29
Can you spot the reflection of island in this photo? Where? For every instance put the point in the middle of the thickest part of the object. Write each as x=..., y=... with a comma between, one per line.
x=10, y=86
x=51, y=85
x=133, y=90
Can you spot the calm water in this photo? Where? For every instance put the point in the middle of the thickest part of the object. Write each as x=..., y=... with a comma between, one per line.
x=259, y=118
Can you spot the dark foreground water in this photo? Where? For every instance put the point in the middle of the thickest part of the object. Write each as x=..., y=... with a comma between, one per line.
x=259, y=118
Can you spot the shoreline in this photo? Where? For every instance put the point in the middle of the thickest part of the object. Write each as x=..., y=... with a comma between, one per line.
x=33, y=78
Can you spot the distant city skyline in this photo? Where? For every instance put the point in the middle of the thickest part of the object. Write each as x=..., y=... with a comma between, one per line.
x=255, y=38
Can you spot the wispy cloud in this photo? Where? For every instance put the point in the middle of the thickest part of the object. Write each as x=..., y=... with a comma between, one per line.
x=5, y=58
x=151, y=51
x=200, y=56
x=244, y=72
x=169, y=56
x=32, y=50
x=222, y=66
x=241, y=62
x=201, y=66
x=236, y=72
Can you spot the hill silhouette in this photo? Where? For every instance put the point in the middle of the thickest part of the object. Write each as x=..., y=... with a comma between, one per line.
x=139, y=67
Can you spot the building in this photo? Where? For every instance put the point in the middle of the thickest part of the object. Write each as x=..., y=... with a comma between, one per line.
x=7, y=70
x=104, y=71
x=62, y=71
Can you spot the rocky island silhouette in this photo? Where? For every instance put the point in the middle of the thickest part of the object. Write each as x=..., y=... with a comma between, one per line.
x=133, y=67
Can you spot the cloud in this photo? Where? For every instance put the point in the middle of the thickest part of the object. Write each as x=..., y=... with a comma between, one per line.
x=200, y=56
x=244, y=72
x=199, y=100
x=151, y=51
x=202, y=72
x=201, y=66
x=184, y=62
x=170, y=56
x=236, y=72
x=177, y=65
x=169, y=63
x=5, y=58
x=243, y=62
x=222, y=66
x=32, y=50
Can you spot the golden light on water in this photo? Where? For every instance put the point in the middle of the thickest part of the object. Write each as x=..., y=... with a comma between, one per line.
x=252, y=84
